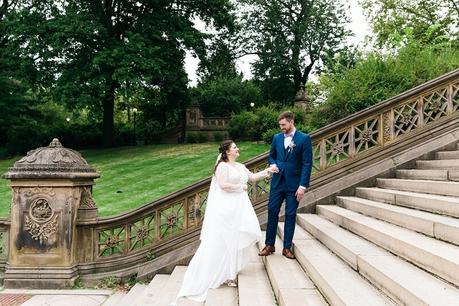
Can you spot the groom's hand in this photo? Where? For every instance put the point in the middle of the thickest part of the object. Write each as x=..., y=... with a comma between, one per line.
x=299, y=193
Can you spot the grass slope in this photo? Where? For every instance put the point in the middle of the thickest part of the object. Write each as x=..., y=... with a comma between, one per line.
x=133, y=176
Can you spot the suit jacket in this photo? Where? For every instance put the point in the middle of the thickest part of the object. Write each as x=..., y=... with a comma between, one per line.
x=294, y=163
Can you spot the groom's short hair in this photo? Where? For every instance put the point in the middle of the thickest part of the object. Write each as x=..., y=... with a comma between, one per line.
x=288, y=115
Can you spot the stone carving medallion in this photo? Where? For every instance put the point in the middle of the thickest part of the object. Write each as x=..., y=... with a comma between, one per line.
x=41, y=222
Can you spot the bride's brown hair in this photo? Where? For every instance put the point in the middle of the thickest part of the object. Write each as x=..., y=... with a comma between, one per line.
x=224, y=146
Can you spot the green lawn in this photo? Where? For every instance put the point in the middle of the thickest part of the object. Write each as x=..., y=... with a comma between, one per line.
x=132, y=176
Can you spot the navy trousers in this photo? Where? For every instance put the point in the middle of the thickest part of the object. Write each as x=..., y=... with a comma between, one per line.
x=276, y=197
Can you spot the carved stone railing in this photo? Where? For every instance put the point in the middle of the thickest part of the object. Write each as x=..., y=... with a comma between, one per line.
x=386, y=123
x=131, y=239
x=221, y=122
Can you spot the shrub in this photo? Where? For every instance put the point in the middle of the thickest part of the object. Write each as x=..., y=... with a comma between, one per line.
x=202, y=137
x=243, y=126
x=219, y=136
x=191, y=137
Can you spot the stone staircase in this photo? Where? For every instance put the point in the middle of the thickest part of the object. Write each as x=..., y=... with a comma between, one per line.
x=393, y=244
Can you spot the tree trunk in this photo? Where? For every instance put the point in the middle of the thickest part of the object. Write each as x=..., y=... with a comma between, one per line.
x=108, y=119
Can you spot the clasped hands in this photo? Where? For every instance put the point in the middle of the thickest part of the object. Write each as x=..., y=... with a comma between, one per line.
x=273, y=169
x=299, y=194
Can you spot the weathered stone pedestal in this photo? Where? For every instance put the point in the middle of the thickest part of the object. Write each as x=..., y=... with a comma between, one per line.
x=51, y=190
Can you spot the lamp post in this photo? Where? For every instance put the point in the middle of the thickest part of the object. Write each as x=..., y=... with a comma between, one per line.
x=134, y=110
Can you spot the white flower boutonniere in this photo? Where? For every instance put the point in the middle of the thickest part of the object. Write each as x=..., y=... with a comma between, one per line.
x=291, y=146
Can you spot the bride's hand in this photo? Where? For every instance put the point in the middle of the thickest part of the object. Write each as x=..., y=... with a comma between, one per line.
x=244, y=187
x=272, y=169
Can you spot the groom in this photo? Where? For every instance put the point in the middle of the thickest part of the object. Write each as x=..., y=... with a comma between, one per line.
x=291, y=157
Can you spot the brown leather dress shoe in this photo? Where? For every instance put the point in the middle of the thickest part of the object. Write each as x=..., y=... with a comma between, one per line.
x=287, y=253
x=267, y=250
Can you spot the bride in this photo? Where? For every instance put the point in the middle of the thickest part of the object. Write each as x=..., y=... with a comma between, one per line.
x=229, y=229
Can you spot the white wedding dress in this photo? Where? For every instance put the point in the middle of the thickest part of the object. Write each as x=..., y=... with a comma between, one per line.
x=229, y=229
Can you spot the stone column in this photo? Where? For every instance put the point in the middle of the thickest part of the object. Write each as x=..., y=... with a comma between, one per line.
x=301, y=99
x=51, y=190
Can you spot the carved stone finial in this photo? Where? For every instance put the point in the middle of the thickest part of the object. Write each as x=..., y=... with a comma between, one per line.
x=52, y=161
x=55, y=143
x=301, y=98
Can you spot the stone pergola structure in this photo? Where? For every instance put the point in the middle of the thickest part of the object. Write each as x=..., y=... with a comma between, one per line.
x=197, y=122
x=52, y=189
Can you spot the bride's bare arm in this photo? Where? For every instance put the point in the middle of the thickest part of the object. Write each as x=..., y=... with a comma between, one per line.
x=222, y=176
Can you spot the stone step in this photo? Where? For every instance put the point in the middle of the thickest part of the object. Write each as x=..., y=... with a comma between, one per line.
x=438, y=257
x=428, y=174
x=434, y=203
x=114, y=299
x=447, y=155
x=223, y=296
x=336, y=280
x=290, y=283
x=400, y=280
x=423, y=186
x=416, y=174
x=171, y=287
x=132, y=295
x=151, y=293
x=447, y=164
x=254, y=287
x=440, y=227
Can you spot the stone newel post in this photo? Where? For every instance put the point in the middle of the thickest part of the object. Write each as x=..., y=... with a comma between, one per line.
x=52, y=188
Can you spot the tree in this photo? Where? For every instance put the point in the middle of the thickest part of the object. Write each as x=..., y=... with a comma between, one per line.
x=218, y=64
x=291, y=36
x=223, y=97
x=87, y=51
x=392, y=18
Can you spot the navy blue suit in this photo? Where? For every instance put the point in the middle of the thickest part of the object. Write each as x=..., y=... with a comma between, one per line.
x=295, y=165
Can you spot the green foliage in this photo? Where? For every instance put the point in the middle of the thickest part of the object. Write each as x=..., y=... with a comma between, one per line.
x=88, y=52
x=377, y=77
x=282, y=90
x=219, y=136
x=110, y=282
x=262, y=124
x=218, y=64
x=196, y=137
x=222, y=97
x=243, y=126
x=291, y=36
x=202, y=137
x=391, y=20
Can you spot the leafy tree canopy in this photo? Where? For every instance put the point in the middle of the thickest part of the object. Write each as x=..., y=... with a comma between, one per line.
x=87, y=51
x=291, y=36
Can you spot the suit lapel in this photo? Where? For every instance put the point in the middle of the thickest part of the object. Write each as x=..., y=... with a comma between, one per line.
x=280, y=147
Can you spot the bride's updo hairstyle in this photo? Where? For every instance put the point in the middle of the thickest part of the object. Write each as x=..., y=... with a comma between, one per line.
x=224, y=146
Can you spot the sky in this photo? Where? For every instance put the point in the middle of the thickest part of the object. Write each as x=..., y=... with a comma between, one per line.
x=358, y=25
